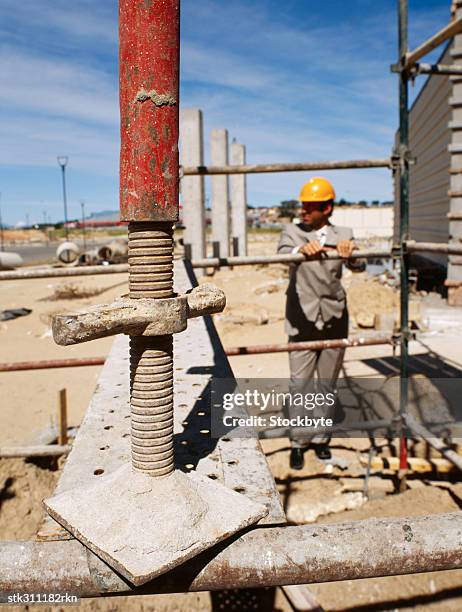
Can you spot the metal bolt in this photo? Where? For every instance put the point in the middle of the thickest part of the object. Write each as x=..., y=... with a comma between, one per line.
x=150, y=258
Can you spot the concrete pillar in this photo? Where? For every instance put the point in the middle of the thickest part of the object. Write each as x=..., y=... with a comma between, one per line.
x=455, y=188
x=192, y=187
x=238, y=188
x=220, y=191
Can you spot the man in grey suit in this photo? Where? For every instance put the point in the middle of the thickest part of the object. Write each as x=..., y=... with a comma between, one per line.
x=316, y=306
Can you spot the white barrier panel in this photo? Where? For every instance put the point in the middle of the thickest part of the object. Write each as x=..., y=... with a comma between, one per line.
x=365, y=222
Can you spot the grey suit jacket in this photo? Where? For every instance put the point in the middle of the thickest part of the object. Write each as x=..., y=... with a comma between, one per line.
x=314, y=287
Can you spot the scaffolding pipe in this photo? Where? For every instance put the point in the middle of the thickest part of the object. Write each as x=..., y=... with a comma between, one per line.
x=51, y=363
x=237, y=350
x=262, y=557
x=291, y=432
x=356, y=426
x=311, y=345
x=422, y=432
x=296, y=167
x=411, y=57
x=403, y=230
x=442, y=69
x=216, y=262
x=58, y=272
x=452, y=283
x=433, y=247
x=51, y=450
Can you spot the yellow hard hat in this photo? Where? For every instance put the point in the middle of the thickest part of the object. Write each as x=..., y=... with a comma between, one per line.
x=317, y=189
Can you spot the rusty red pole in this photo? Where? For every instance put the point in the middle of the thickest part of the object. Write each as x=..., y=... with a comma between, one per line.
x=149, y=86
x=309, y=345
x=149, y=76
x=52, y=363
x=402, y=472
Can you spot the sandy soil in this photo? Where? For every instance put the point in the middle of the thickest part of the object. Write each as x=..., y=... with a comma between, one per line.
x=254, y=315
x=13, y=235
x=29, y=400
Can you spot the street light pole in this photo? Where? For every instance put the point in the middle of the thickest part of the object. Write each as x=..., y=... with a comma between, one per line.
x=62, y=161
x=82, y=204
x=2, y=241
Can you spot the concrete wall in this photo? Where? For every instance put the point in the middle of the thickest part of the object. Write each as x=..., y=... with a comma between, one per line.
x=455, y=187
x=366, y=222
x=429, y=140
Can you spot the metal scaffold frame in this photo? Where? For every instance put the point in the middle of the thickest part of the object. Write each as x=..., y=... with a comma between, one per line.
x=270, y=554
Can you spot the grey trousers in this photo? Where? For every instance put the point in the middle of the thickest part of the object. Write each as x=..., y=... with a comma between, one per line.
x=306, y=366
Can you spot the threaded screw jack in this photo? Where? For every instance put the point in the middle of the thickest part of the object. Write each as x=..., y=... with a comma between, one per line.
x=150, y=258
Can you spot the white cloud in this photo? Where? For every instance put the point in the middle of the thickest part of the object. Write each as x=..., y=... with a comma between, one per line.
x=290, y=90
x=85, y=19
x=37, y=141
x=223, y=68
x=57, y=87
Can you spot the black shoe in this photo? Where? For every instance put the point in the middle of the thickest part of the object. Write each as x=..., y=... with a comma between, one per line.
x=297, y=460
x=322, y=451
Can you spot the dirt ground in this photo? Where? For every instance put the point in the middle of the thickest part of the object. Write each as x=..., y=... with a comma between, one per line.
x=322, y=492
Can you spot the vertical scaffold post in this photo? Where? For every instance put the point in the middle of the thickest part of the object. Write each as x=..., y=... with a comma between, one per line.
x=404, y=226
x=149, y=516
x=149, y=202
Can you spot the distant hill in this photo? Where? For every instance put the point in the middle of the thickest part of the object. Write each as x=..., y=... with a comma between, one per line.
x=104, y=215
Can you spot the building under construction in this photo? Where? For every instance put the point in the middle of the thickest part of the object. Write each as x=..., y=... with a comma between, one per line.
x=153, y=497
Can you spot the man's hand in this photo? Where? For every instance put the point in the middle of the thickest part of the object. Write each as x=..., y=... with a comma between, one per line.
x=345, y=248
x=312, y=249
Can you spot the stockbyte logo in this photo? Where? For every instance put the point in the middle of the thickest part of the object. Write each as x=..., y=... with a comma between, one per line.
x=277, y=421
x=273, y=399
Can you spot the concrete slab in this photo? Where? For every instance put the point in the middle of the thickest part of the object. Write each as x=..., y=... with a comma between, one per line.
x=144, y=526
x=102, y=445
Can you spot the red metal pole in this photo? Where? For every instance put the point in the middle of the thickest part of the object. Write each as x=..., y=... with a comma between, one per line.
x=52, y=363
x=149, y=34
x=311, y=345
x=316, y=345
x=402, y=472
x=149, y=76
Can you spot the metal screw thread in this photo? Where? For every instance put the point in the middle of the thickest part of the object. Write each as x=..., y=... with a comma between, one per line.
x=150, y=258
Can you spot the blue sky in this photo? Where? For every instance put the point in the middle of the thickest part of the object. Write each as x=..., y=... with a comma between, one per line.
x=297, y=80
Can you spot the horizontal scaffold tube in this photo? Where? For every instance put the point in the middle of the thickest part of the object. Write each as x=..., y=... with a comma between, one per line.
x=17, y=366
x=57, y=272
x=238, y=350
x=216, y=262
x=455, y=27
x=436, y=443
x=265, y=556
x=443, y=69
x=433, y=247
x=296, y=167
x=355, y=427
x=309, y=345
x=51, y=450
x=341, y=428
